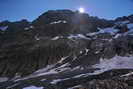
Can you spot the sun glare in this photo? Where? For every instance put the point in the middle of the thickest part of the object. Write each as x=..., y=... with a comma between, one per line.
x=81, y=10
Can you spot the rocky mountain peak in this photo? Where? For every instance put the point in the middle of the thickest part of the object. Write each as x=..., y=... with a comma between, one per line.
x=63, y=49
x=54, y=16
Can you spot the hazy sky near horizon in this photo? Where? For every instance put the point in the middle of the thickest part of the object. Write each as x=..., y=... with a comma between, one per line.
x=14, y=10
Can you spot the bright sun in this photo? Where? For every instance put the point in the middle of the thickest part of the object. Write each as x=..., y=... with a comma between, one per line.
x=81, y=10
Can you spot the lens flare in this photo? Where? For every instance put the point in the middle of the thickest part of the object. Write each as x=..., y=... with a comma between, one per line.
x=81, y=10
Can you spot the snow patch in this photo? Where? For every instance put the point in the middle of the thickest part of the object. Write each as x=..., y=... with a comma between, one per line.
x=81, y=75
x=3, y=79
x=130, y=26
x=97, y=52
x=62, y=59
x=10, y=87
x=129, y=74
x=81, y=52
x=110, y=30
x=75, y=87
x=37, y=38
x=55, y=38
x=17, y=76
x=122, y=22
x=40, y=72
x=86, y=51
x=92, y=34
x=60, y=21
x=125, y=22
x=64, y=65
x=43, y=80
x=30, y=27
x=116, y=62
x=37, y=75
x=33, y=87
x=26, y=28
x=116, y=36
x=58, y=80
x=78, y=36
x=44, y=69
x=3, y=28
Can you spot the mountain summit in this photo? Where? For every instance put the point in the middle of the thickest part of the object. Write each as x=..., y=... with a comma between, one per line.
x=63, y=49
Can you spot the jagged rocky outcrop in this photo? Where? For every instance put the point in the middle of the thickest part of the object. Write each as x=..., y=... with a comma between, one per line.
x=63, y=49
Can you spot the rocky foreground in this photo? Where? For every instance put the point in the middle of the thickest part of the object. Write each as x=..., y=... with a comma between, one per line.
x=63, y=49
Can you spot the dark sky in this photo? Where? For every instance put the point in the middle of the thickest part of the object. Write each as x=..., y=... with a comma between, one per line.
x=14, y=10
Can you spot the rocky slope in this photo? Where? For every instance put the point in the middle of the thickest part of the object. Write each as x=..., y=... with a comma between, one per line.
x=63, y=49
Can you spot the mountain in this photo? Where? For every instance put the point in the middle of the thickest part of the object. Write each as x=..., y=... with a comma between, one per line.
x=63, y=49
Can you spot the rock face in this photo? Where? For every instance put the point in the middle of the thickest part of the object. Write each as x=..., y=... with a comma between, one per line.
x=63, y=49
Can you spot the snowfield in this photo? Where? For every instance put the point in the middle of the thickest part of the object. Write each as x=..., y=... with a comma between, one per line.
x=116, y=62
